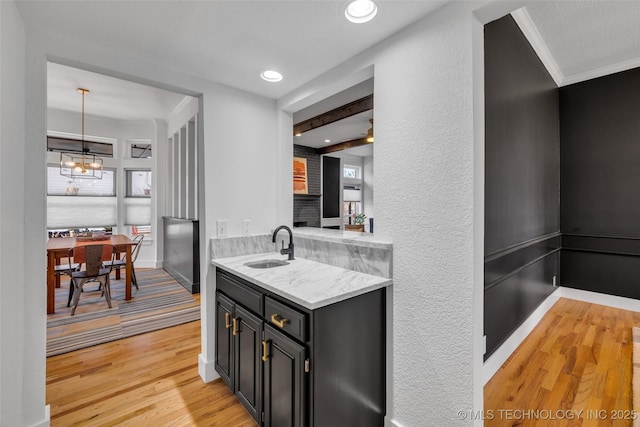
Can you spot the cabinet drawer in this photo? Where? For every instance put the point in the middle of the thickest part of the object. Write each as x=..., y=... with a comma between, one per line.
x=239, y=292
x=288, y=319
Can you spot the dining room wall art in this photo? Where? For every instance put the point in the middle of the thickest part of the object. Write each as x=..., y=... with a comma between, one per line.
x=300, y=182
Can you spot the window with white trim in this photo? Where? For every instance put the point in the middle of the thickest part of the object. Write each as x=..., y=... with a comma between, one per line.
x=80, y=203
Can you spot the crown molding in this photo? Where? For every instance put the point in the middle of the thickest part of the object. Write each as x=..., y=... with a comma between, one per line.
x=530, y=31
x=602, y=71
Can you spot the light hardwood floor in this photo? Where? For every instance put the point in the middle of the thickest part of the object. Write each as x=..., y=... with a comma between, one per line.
x=574, y=369
x=146, y=380
x=577, y=359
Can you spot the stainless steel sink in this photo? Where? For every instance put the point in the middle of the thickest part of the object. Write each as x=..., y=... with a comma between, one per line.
x=266, y=263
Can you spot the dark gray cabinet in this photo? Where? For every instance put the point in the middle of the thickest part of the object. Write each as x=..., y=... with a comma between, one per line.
x=224, y=339
x=238, y=340
x=247, y=361
x=284, y=370
x=295, y=367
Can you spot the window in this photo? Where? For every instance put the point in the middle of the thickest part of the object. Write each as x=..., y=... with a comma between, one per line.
x=138, y=183
x=352, y=198
x=351, y=172
x=58, y=185
x=140, y=151
x=103, y=149
x=350, y=211
x=137, y=202
x=137, y=230
x=80, y=203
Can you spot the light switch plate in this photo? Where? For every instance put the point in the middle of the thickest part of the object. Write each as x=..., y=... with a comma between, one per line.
x=221, y=228
x=246, y=227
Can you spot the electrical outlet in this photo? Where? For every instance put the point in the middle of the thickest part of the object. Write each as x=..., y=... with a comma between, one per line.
x=555, y=283
x=221, y=227
x=246, y=227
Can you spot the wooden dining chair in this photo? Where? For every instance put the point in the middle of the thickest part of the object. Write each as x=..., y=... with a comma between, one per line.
x=122, y=263
x=93, y=256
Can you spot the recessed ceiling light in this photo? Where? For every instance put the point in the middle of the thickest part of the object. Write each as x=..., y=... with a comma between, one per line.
x=361, y=11
x=327, y=140
x=271, y=76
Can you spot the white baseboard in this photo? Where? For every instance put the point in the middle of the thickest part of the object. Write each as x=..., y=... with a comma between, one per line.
x=495, y=361
x=47, y=418
x=145, y=263
x=388, y=422
x=207, y=369
x=602, y=299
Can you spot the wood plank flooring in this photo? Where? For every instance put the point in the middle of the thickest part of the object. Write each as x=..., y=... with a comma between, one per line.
x=577, y=359
x=574, y=370
x=146, y=380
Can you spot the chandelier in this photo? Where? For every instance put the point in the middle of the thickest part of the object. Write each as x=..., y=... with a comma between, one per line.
x=83, y=165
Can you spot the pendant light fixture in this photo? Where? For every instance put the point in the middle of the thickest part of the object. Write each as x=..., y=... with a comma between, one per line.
x=83, y=165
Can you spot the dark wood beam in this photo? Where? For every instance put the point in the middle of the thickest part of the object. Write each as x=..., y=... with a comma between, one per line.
x=348, y=110
x=343, y=145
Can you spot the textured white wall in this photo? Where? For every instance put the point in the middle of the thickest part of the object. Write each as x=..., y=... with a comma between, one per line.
x=426, y=140
x=424, y=204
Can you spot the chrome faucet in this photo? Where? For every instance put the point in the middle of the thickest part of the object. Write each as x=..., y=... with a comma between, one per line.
x=284, y=251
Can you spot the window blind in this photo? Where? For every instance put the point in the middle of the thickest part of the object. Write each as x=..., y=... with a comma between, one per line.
x=351, y=195
x=137, y=211
x=81, y=212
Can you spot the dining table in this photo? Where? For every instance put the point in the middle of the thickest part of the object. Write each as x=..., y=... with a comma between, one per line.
x=58, y=247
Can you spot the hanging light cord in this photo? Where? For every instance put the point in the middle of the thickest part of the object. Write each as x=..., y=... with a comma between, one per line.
x=83, y=92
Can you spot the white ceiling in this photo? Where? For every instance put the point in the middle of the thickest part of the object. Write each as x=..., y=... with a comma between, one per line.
x=108, y=97
x=230, y=42
x=354, y=127
x=581, y=40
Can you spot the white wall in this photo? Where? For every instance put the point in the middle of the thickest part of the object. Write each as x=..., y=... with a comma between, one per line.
x=236, y=171
x=426, y=140
x=424, y=204
x=425, y=107
x=22, y=290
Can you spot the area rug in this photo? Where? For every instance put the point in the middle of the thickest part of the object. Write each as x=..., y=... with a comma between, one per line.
x=161, y=302
x=636, y=376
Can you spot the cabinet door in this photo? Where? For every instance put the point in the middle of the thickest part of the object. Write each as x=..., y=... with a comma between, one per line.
x=284, y=395
x=248, y=373
x=224, y=341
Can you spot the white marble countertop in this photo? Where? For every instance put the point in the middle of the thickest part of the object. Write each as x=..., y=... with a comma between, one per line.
x=307, y=283
x=353, y=237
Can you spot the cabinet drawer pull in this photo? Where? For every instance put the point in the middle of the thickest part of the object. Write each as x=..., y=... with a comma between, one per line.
x=227, y=320
x=235, y=326
x=265, y=351
x=279, y=322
